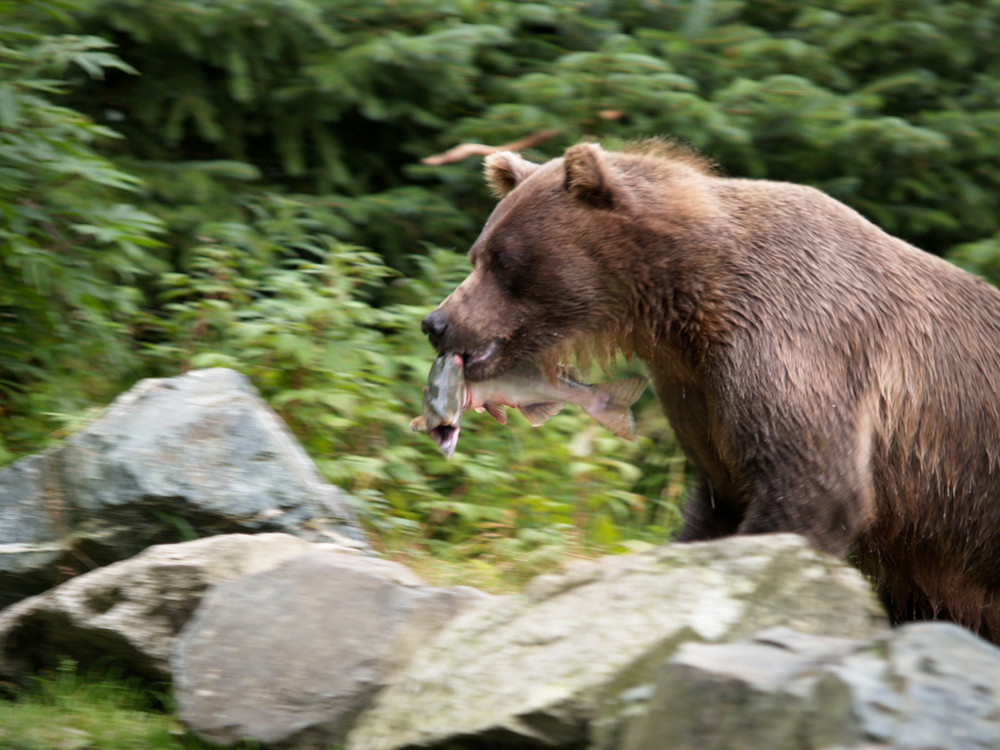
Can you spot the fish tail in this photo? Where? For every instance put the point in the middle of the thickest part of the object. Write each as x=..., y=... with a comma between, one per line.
x=613, y=405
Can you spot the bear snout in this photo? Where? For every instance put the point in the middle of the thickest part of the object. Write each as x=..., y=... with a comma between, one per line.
x=434, y=325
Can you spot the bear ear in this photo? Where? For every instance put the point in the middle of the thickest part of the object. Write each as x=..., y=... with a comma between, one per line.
x=505, y=170
x=587, y=175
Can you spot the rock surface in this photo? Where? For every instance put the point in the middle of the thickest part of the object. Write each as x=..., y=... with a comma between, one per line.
x=33, y=525
x=533, y=670
x=170, y=459
x=290, y=657
x=132, y=610
x=927, y=686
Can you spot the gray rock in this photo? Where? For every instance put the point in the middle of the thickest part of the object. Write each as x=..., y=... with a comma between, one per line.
x=169, y=460
x=533, y=670
x=132, y=610
x=925, y=686
x=33, y=525
x=291, y=656
x=203, y=446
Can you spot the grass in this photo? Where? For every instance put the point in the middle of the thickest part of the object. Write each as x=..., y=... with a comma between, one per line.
x=98, y=709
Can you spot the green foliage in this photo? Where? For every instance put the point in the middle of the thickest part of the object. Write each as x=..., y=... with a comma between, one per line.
x=71, y=247
x=337, y=96
x=97, y=708
x=982, y=257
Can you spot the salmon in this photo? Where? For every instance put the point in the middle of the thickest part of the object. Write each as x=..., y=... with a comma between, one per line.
x=448, y=395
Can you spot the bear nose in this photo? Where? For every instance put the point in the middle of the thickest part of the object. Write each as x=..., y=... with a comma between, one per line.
x=434, y=326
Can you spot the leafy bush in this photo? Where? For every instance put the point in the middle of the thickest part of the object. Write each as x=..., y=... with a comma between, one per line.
x=893, y=108
x=72, y=248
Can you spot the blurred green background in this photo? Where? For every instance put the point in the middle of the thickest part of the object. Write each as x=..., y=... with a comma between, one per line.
x=189, y=183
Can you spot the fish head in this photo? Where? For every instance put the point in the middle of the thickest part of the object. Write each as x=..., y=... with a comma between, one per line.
x=445, y=394
x=445, y=399
x=446, y=437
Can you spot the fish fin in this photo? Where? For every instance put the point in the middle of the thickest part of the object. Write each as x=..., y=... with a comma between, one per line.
x=418, y=424
x=627, y=390
x=613, y=407
x=497, y=411
x=539, y=413
x=569, y=371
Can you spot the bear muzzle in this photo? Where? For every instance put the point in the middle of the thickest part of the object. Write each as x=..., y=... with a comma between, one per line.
x=434, y=326
x=483, y=357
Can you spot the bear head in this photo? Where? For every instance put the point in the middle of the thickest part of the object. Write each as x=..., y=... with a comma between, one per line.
x=549, y=271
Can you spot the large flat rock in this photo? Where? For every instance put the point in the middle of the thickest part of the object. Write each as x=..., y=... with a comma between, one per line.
x=924, y=685
x=132, y=610
x=289, y=657
x=533, y=670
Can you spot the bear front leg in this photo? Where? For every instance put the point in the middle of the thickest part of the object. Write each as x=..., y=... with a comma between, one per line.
x=831, y=511
x=708, y=515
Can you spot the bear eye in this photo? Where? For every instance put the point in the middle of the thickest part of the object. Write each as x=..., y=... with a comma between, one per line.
x=502, y=259
x=508, y=251
x=511, y=269
x=500, y=262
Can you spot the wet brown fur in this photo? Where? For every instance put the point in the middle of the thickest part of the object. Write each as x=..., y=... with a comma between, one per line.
x=822, y=376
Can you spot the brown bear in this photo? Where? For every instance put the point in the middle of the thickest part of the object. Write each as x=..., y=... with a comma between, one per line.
x=822, y=376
